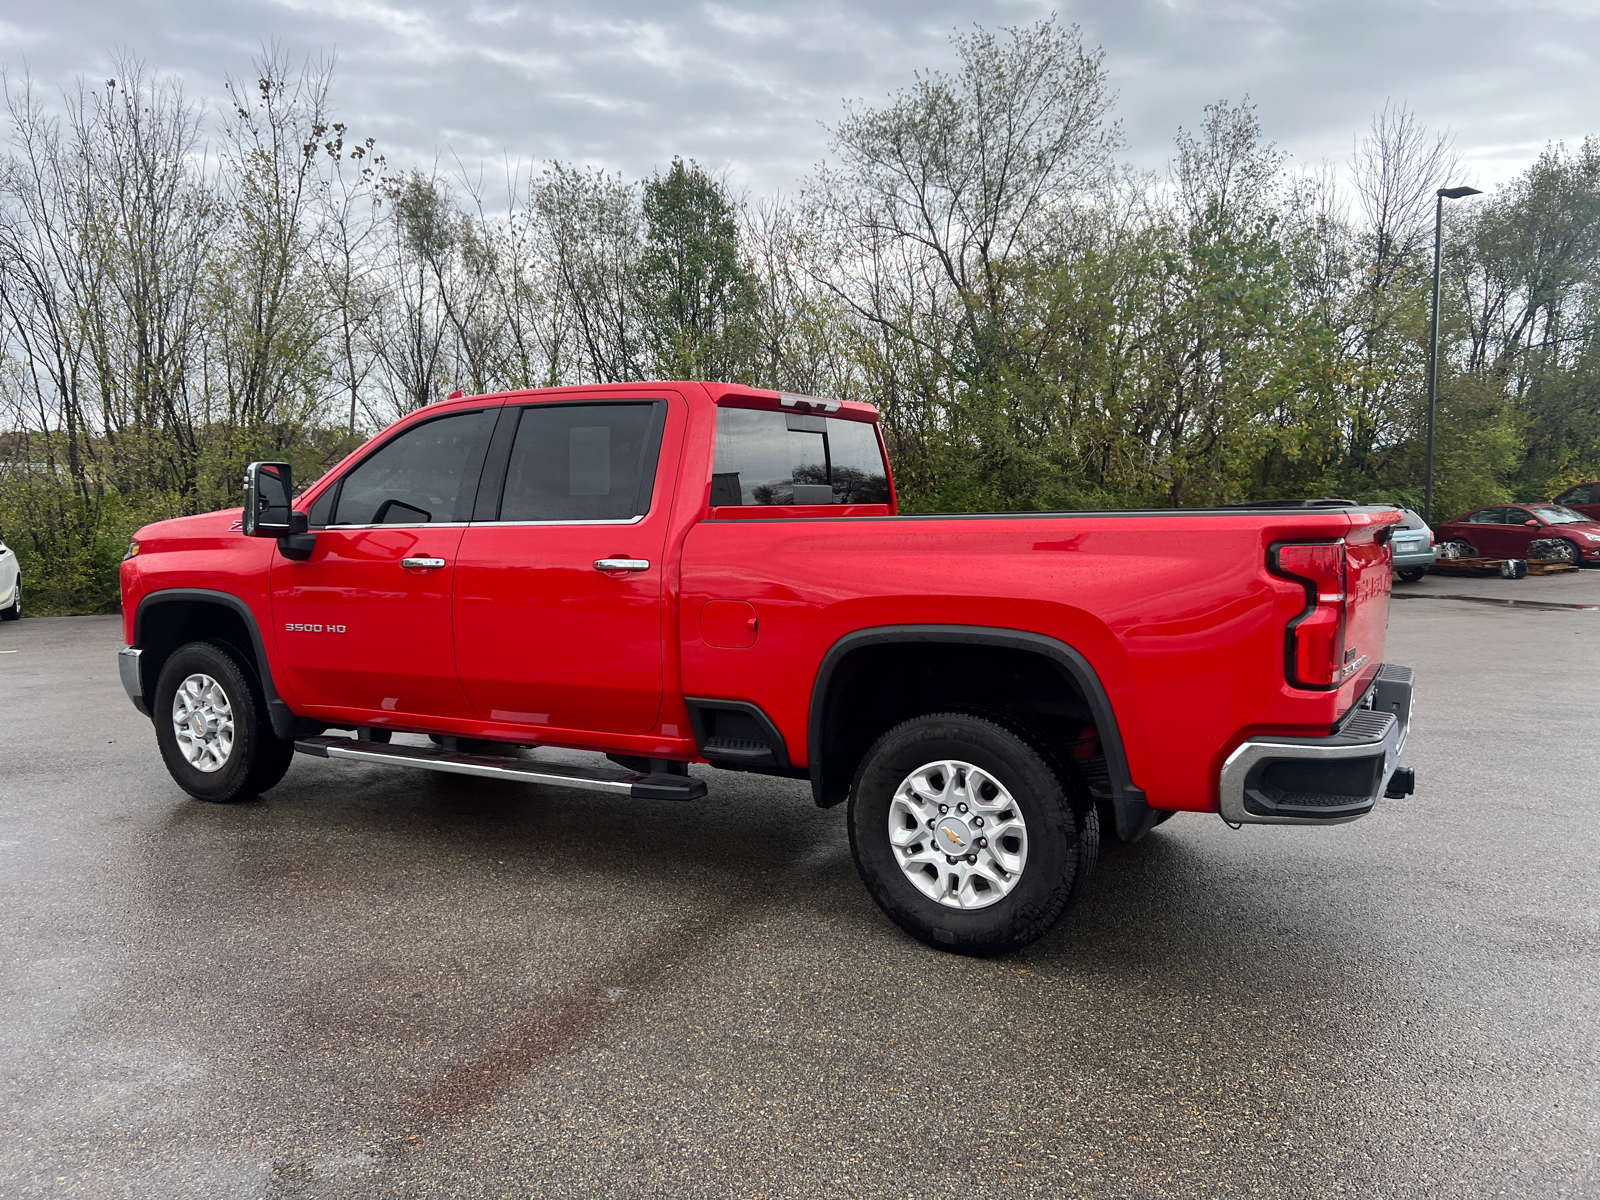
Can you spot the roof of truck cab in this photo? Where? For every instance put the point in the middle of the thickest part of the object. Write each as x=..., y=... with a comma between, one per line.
x=717, y=393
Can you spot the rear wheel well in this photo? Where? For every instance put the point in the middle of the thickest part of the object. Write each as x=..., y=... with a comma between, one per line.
x=873, y=688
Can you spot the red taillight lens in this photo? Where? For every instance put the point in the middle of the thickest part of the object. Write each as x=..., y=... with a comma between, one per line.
x=1314, y=654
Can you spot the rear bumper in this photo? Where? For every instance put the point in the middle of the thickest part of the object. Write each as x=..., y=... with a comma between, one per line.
x=1416, y=558
x=1324, y=780
x=132, y=679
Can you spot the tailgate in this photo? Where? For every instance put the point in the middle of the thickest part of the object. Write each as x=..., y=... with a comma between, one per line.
x=1370, y=580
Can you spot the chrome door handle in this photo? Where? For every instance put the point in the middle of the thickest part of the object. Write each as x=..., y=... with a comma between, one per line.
x=622, y=564
x=422, y=564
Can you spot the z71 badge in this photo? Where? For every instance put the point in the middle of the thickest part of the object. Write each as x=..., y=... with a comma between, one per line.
x=293, y=628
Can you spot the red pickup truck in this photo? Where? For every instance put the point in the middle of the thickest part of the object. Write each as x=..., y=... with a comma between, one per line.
x=672, y=573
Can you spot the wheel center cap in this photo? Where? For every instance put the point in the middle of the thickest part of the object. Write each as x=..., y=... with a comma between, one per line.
x=952, y=836
x=199, y=726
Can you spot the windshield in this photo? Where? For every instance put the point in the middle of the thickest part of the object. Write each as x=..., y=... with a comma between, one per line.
x=1554, y=514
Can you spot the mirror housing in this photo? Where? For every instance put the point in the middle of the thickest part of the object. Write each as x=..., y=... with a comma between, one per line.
x=1531, y=524
x=268, y=511
x=268, y=491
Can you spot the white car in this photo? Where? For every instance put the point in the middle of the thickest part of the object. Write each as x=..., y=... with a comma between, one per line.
x=10, y=585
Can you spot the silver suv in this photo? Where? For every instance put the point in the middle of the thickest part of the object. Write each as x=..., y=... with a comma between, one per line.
x=1414, y=551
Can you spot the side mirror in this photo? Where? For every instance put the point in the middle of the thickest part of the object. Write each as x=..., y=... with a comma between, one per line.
x=268, y=494
x=268, y=488
x=1532, y=524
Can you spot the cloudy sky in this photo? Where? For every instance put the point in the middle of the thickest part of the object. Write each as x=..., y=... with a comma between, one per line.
x=750, y=88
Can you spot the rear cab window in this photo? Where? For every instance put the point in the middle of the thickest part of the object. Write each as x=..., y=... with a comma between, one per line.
x=827, y=465
x=582, y=462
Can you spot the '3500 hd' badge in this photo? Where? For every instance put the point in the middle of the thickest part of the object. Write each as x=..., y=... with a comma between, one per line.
x=293, y=628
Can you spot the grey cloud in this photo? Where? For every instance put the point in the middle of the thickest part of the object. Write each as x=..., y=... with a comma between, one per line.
x=750, y=87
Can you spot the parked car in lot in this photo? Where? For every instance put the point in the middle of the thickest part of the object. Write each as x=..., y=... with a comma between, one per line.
x=1505, y=531
x=1412, y=543
x=672, y=573
x=10, y=584
x=1585, y=499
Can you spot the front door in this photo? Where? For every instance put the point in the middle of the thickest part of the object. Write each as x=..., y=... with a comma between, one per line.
x=363, y=625
x=558, y=596
x=1516, y=533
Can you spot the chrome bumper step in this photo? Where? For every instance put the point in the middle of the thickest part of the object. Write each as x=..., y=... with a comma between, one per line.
x=613, y=780
x=1325, y=780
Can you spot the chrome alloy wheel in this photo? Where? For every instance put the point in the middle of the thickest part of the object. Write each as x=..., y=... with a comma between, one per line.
x=957, y=834
x=203, y=721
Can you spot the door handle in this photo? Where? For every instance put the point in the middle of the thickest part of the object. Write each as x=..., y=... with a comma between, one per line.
x=622, y=564
x=422, y=564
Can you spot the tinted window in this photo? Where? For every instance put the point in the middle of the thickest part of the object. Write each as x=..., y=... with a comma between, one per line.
x=1583, y=494
x=582, y=462
x=1552, y=514
x=791, y=458
x=427, y=474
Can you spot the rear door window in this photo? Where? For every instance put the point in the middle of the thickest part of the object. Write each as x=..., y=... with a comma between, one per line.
x=583, y=462
x=766, y=457
x=423, y=476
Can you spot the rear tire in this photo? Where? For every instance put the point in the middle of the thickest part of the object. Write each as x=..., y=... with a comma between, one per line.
x=984, y=899
x=13, y=611
x=216, y=738
x=1411, y=574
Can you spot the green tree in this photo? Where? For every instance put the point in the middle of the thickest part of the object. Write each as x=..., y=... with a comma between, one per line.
x=698, y=297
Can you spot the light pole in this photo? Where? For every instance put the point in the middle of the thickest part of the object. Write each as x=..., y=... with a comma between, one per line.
x=1443, y=194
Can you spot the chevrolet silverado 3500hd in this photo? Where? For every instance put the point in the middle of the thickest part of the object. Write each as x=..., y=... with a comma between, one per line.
x=671, y=573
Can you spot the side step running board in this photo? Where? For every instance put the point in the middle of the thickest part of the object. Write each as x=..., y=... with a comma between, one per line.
x=615, y=780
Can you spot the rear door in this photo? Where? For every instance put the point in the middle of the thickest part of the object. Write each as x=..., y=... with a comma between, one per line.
x=1489, y=532
x=363, y=625
x=558, y=583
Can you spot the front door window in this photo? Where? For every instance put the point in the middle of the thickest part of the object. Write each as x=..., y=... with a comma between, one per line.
x=363, y=626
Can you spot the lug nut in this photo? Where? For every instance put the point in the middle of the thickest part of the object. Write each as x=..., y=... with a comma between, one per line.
x=978, y=822
x=943, y=808
x=972, y=858
x=932, y=823
x=951, y=859
x=961, y=808
x=982, y=842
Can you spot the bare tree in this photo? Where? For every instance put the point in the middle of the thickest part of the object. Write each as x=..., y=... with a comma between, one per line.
x=590, y=230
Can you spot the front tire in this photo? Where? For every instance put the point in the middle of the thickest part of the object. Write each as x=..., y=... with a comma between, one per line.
x=13, y=611
x=1570, y=552
x=961, y=778
x=212, y=725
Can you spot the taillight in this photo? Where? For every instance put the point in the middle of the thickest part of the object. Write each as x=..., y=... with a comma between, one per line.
x=1314, y=646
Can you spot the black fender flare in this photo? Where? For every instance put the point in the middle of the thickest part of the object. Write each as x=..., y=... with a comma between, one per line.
x=284, y=723
x=1135, y=817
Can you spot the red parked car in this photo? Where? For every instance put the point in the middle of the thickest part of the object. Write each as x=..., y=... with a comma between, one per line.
x=1505, y=531
x=672, y=573
x=1585, y=498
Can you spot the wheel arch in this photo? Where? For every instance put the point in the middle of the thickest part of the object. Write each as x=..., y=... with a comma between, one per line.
x=173, y=617
x=832, y=757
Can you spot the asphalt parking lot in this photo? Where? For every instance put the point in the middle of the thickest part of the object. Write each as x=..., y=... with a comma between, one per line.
x=376, y=982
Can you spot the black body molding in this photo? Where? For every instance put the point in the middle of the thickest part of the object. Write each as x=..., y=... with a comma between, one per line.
x=284, y=723
x=1135, y=817
x=736, y=735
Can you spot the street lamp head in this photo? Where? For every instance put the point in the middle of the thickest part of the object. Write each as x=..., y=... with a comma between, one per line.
x=1456, y=193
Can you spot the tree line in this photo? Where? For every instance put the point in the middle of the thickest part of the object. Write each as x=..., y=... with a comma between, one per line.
x=184, y=290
